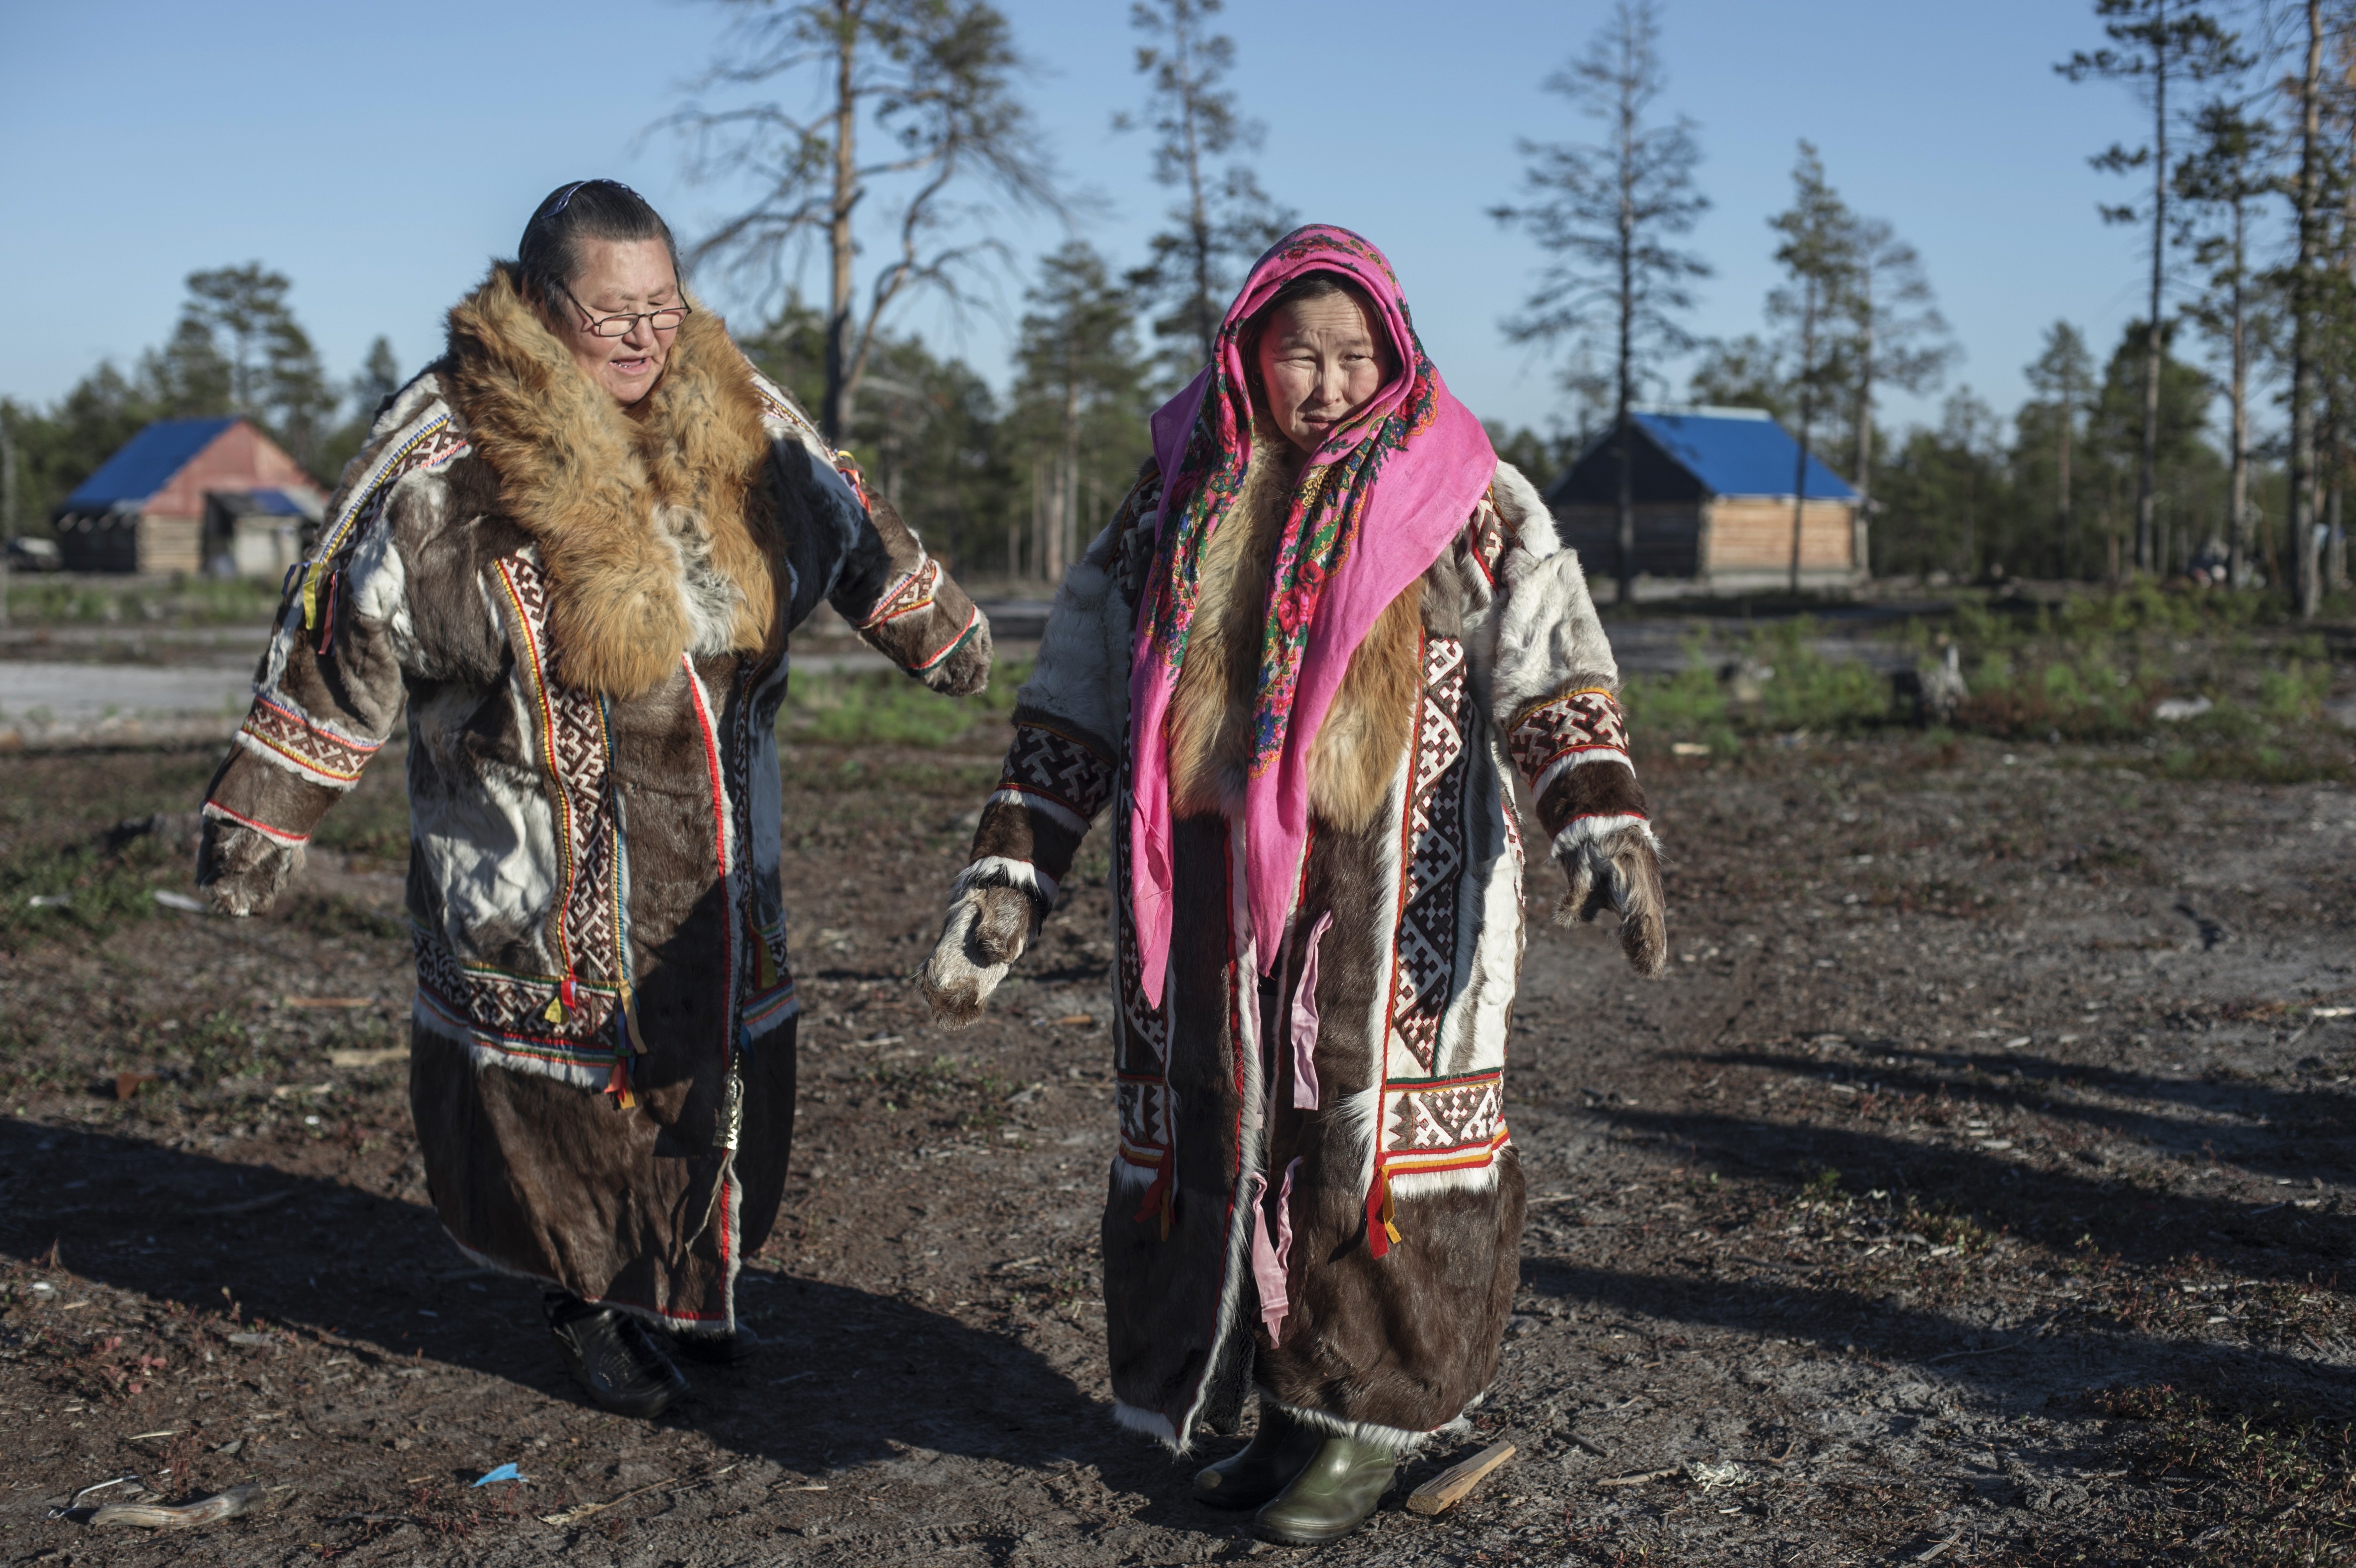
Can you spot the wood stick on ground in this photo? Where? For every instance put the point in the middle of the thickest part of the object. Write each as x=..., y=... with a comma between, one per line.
x=1449, y=1488
x=1641, y=1478
x=153, y=1516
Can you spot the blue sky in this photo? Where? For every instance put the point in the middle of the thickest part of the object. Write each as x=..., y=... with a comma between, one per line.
x=380, y=156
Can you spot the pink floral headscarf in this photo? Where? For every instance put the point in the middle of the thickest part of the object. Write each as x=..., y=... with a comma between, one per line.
x=1403, y=476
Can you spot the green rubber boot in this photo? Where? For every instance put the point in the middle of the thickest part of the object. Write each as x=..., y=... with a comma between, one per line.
x=1258, y=1470
x=1331, y=1496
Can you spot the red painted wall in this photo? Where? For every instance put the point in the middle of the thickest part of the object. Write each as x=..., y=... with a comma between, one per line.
x=239, y=458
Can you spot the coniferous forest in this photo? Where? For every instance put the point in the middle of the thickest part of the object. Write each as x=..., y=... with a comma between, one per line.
x=2214, y=447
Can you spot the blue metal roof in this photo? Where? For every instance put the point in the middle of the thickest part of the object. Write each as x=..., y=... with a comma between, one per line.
x=146, y=462
x=1740, y=452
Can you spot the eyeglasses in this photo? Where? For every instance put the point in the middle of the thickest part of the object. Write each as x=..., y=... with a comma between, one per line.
x=667, y=319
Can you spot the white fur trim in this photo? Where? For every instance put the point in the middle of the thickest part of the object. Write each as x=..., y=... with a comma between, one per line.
x=1054, y=811
x=1407, y=1184
x=1548, y=638
x=1147, y=1424
x=999, y=871
x=1522, y=508
x=1585, y=830
x=1561, y=766
x=1128, y=1178
x=1399, y=1440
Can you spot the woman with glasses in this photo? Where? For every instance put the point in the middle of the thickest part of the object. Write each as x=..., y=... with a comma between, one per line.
x=1300, y=669
x=574, y=547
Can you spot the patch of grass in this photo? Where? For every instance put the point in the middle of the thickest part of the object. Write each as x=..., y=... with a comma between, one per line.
x=183, y=601
x=52, y=889
x=2290, y=1477
x=884, y=707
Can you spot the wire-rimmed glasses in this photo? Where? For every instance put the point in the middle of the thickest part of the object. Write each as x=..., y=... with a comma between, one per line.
x=665, y=319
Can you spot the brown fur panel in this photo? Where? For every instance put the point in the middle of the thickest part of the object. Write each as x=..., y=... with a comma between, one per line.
x=1210, y=722
x=623, y=509
x=1364, y=732
x=1019, y=832
x=1591, y=789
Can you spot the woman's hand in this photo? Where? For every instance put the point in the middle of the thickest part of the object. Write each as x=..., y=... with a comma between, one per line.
x=240, y=870
x=1621, y=870
x=985, y=932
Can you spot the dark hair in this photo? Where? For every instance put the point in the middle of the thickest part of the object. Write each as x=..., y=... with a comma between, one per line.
x=548, y=257
x=1313, y=286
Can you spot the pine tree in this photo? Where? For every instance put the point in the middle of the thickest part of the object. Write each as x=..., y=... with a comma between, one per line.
x=1605, y=212
x=1896, y=339
x=933, y=82
x=2063, y=377
x=2153, y=43
x=2218, y=185
x=1079, y=400
x=1818, y=256
x=1223, y=221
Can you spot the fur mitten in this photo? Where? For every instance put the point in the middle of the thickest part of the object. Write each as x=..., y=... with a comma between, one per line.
x=1621, y=870
x=985, y=932
x=241, y=870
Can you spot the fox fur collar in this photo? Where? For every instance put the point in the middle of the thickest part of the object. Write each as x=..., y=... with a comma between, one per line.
x=1365, y=733
x=654, y=525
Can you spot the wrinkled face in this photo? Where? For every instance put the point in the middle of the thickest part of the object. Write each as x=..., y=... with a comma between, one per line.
x=1321, y=361
x=617, y=277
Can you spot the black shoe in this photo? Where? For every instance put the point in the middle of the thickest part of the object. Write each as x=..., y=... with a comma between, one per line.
x=613, y=1359
x=1261, y=1469
x=726, y=1350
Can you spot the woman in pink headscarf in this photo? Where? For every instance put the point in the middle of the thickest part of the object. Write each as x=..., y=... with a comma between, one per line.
x=1299, y=665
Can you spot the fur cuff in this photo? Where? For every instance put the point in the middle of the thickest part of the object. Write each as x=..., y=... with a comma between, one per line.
x=997, y=871
x=1584, y=830
x=1399, y=1440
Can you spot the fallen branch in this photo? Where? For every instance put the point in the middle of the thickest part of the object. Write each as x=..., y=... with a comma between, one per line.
x=1642, y=1478
x=157, y=1515
x=580, y=1511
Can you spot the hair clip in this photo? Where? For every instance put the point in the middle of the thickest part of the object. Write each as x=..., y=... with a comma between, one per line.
x=567, y=197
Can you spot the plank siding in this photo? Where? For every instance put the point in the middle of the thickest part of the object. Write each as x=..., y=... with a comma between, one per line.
x=1755, y=534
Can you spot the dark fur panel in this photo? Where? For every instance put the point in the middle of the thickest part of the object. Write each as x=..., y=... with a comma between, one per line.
x=1591, y=789
x=946, y=643
x=1409, y=1339
x=1019, y=832
x=1163, y=1294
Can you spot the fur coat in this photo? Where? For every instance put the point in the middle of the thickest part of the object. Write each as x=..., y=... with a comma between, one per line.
x=1314, y=1189
x=585, y=612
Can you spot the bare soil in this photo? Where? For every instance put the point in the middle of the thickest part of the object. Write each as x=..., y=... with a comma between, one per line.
x=1976, y=1187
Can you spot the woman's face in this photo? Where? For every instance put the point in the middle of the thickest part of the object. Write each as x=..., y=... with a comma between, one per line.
x=618, y=277
x=1321, y=361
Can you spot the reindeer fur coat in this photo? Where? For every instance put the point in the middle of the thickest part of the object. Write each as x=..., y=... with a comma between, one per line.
x=1314, y=1190
x=585, y=612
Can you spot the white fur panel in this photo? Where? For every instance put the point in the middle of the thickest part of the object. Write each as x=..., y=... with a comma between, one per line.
x=1398, y=1439
x=1525, y=511
x=1082, y=675
x=1584, y=830
x=1147, y=1424
x=1407, y=1184
x=1548, y=638
x=999, y=871
x=378, y=573
x=1128, y=1178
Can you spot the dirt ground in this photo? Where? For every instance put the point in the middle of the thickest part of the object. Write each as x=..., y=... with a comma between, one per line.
x=1975, y=1188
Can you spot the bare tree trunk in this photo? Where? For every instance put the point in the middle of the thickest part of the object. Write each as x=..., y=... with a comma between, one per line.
x=1860, y=561
x=2237, y=559
x=2148, y=478
x=1807, y=418
x=2304, y=390
x=1624, y=395
x=835, y=416
x=1067, y=479
x=1198, y=218
x=2067, y=430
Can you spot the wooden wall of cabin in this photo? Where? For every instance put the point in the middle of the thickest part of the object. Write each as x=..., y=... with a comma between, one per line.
x=1755, y=535
x=1668, y=537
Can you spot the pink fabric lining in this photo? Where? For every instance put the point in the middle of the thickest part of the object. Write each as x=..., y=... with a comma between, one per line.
x=1425, y=489
x=1304, y=1021
x=1270, y=1258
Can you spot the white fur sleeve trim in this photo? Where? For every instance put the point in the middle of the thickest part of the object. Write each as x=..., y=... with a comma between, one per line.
x=1583, y=830
x=1563, y=764
x=1525, y=511
x=999, y=871
x=1548, y=637
x=1053, y=810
